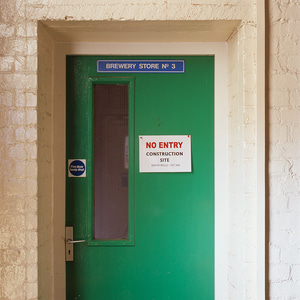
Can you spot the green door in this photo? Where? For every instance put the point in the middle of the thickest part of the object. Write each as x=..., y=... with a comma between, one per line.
x=150, y=234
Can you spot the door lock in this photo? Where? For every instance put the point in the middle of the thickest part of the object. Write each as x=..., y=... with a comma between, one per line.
x=70, y=242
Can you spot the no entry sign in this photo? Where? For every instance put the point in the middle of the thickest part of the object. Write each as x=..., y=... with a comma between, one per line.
x=165, y=153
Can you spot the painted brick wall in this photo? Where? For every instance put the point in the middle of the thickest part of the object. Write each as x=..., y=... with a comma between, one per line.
x=242, y=207
x=19, y=144
x=284, y=159
x=18, y=135
x=18, y=153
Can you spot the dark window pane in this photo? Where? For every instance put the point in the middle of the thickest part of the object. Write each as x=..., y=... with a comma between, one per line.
x=111, y=161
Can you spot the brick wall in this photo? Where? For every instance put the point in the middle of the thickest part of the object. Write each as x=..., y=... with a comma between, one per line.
x=18, y=152
x=242, y=206
x=19, y=144
x=284, y=149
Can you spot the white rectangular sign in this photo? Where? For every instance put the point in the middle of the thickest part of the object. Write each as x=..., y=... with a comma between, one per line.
x=165, y=153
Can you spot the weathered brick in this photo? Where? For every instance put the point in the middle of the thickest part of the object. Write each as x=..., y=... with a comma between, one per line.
x=19, y=39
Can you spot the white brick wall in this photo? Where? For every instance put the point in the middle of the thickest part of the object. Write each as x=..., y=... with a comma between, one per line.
x=18, y=67
x=18, y=154
x=18, y=135
x=242, y=165
x=284, y=159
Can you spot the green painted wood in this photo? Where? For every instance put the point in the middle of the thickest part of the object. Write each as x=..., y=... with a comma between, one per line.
x=172, y=214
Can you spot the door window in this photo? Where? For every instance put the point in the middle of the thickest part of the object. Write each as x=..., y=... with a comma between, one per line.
x=111, y=161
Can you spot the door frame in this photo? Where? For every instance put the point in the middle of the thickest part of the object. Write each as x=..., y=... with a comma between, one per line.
x=219, y=50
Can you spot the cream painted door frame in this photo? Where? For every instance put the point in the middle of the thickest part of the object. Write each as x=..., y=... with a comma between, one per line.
x=219, y=50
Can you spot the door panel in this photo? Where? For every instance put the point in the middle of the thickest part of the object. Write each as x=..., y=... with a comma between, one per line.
x=169, y=252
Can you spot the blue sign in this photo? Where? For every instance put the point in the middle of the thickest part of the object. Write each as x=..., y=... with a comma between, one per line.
x=77, y=168
x=140, y=66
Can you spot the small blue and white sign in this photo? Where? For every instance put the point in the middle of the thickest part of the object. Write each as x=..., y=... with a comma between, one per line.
x=77, y=168
x=140, y=66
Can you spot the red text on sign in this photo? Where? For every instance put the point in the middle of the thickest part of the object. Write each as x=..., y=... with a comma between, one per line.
x=164, y=145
